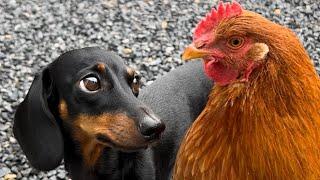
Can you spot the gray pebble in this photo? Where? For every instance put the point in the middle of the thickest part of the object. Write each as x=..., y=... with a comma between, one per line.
x=149, y=35
x=4, y=171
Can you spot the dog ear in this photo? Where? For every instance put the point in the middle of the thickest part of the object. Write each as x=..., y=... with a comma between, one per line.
x=35, y=126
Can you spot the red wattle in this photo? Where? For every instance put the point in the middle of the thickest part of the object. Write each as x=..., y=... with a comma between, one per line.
x=220, y=73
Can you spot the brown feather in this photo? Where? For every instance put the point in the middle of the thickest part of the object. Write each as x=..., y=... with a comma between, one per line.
x=266, y=128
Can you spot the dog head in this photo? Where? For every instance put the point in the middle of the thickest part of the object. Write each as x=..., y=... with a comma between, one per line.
x=89, y=94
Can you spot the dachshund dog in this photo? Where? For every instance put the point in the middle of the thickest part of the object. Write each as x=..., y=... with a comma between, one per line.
x=83, y=107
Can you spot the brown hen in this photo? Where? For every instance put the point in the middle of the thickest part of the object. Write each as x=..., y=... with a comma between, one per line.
x=262, y=119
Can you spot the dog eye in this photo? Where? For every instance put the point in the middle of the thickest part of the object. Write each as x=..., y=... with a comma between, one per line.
x=90, y=84
x=136, y=78
x=136, y=84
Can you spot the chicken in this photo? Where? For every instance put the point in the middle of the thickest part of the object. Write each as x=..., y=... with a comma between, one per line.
x=262, y=119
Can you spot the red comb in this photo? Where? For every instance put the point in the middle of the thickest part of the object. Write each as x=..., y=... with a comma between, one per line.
x=213, y=18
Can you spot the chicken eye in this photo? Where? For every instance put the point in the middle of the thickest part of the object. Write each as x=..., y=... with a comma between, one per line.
x=235, y=42
x=90, y=84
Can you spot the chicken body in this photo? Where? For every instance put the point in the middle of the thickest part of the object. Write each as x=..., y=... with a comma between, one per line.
x=263, y=120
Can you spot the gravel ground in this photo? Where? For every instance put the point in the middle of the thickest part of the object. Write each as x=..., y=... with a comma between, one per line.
x=149, y=34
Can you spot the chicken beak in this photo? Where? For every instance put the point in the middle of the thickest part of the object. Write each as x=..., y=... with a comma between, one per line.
x=191, y=52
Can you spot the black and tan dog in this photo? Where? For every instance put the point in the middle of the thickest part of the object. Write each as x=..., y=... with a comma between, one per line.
x=83, y=108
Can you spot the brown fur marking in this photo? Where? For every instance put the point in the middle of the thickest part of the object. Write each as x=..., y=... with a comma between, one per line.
x=101, y=67
x=118, y=128
x=63, y=110
x=135, y=86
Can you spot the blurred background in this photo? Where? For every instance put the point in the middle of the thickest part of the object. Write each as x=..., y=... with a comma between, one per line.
x=149, y=34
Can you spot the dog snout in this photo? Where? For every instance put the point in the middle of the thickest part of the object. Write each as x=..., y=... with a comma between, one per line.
x=151, y=127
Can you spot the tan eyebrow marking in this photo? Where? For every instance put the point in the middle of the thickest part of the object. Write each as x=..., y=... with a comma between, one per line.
x=101, y=67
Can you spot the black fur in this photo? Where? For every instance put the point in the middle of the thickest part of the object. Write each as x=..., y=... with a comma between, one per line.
x=36, y=128
x=178, y=98
x=45, y=138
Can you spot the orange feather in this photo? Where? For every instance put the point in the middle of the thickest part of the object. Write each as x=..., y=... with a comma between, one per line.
x=266, y=128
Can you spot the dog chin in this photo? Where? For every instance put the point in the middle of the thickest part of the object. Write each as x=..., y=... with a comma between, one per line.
x=144, y=144
x=130, y=149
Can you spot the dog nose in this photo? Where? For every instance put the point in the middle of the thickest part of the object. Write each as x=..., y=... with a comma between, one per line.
x=151, y=127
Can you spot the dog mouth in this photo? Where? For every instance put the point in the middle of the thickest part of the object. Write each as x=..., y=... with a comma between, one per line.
x=141, y=143
x=152, y=138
